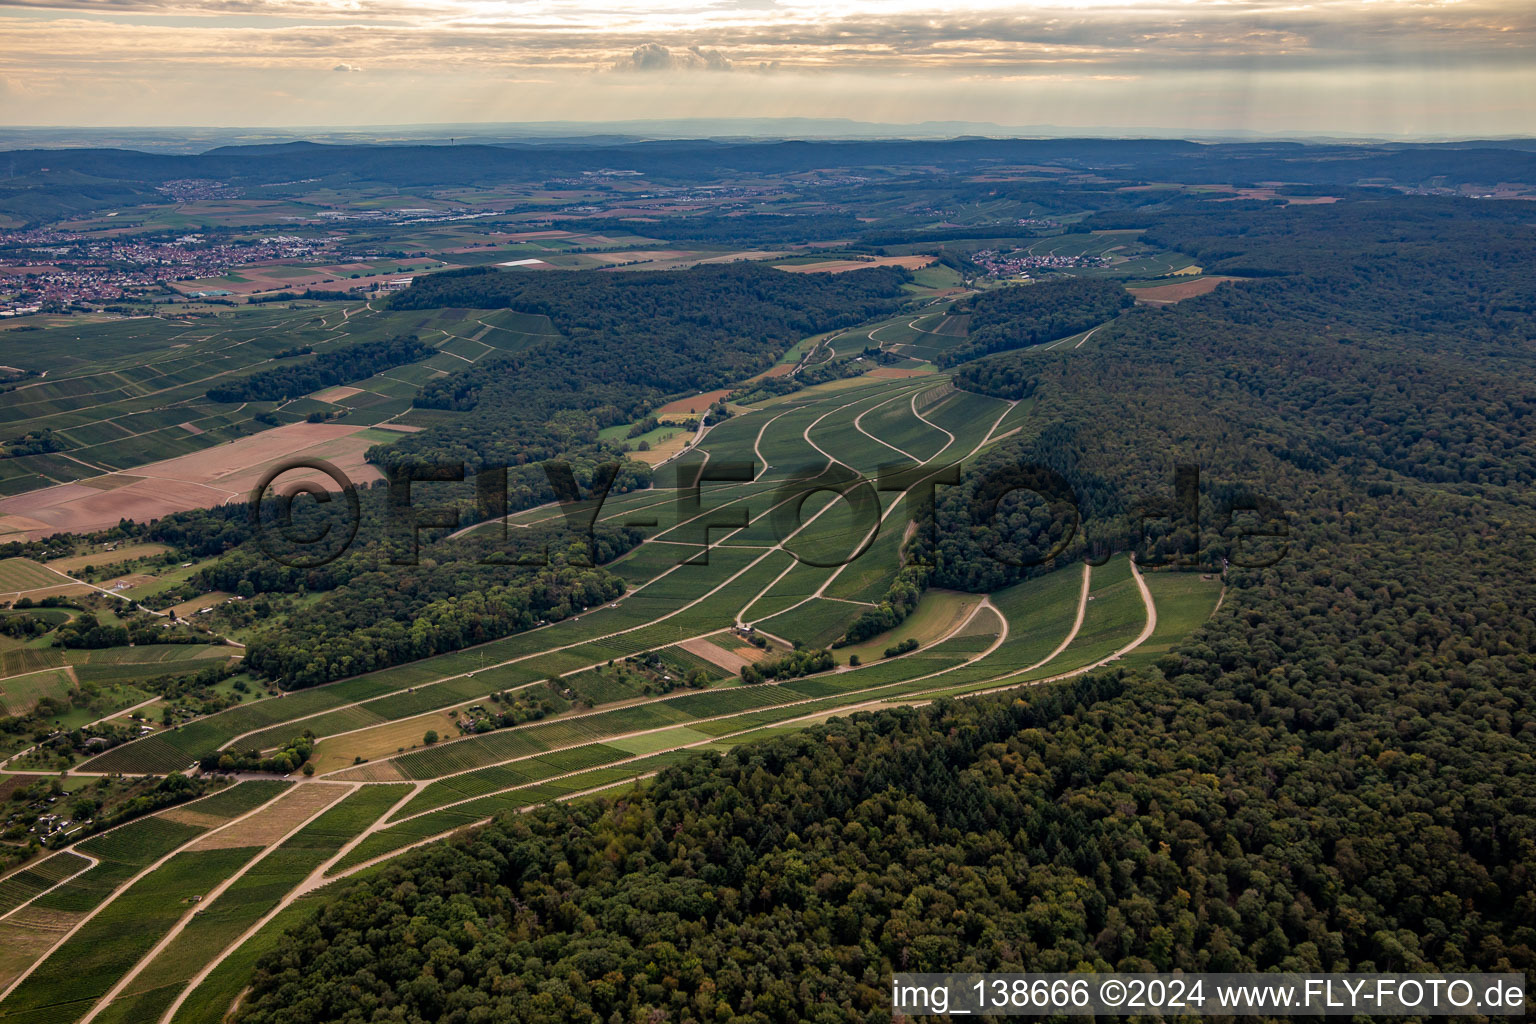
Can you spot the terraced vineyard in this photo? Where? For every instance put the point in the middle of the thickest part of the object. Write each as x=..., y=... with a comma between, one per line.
x=210, y=885
x=128, y=392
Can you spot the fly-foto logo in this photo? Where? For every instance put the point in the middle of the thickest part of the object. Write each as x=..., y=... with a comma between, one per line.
x=1024, y=514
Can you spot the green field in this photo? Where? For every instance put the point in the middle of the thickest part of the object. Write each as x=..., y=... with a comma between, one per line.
x=21, y=886
x=21, y=574
x=252, y=896
x=20, y=694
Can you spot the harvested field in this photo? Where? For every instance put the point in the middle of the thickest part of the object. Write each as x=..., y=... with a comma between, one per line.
x=1165, y=294
x=192, y=816
x=646, y=255
x=528, y=236
x=62, y=590
x=290, y=277
x=694, y=405
x=204, y=479
x=187, y=609
x=745, y=254
x=385, y=739
x=661, y=451
x=103, y=559
x=731, y=661
x=336, y=394
x=277, y=819
x=843, y=266
x=380, y=771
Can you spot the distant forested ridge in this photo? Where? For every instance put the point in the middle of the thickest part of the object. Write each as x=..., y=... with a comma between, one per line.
x=736, y=229
x=353, y=363
x=1337, y=772
x=1024, y=315
x=46, y=184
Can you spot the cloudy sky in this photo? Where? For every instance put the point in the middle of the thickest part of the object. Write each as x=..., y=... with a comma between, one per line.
x=1353, y=66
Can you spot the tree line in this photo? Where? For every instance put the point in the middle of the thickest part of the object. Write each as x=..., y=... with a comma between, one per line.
x=353, y=363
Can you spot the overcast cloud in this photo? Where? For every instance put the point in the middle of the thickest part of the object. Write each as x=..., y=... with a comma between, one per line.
x=1270, y=65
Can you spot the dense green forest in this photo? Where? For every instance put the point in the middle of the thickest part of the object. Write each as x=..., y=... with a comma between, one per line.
x=1335, y=772
x=394, y=614
x=380, y=603
x=1023, y=315
x=628, y=341
x=355, y=362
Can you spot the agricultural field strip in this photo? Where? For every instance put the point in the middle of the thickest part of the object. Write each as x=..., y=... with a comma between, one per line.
x=71, y=581
x=34, y=672
x=945, y=313
x=536, y=654
x=645, y=625
x=314, y=880
x=390, y=855
x=910, y=325
x=128, y=883
x=858, y=424
x=869, y=331
x=1047, y=346
x=1014, y=673
x=530, y=334
x=821, y=590
x=113, y=371
x=93, y=862
x=207, y=358
x=1141, y=638
x=580, y=643
x=811, y=717
x=862, y=398
x=553, y=511
x=978, y=656
x=833, y=458
x=148, y=394
x=520, y=658
x=208, y=899
x=557, y=649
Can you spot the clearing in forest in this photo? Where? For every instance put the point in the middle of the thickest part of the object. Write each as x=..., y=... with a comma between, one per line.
x=1166, y=294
